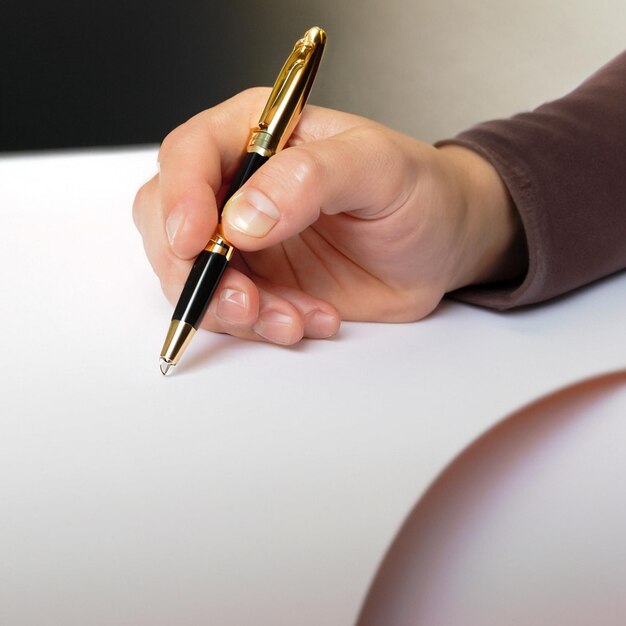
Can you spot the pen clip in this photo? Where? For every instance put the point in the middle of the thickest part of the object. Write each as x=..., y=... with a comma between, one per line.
x=289, y=95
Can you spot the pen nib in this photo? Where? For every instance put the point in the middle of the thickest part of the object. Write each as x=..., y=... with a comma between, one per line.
x=165, y=365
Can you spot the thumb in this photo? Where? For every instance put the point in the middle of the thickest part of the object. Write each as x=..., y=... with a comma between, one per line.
x=360, y=170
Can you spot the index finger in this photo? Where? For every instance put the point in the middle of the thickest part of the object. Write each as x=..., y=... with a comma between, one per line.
x=199, y=157
x=194, y=161
x=209, y=146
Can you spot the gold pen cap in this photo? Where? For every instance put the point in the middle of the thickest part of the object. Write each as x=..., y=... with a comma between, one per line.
x=289, y=95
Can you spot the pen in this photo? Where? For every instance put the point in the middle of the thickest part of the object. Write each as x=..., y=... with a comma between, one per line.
x=278, y=119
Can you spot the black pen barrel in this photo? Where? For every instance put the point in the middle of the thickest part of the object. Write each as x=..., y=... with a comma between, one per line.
x=251, y=163
x=201, y=284
x=209, y=266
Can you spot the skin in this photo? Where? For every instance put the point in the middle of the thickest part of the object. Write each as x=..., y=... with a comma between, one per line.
x=356, y=222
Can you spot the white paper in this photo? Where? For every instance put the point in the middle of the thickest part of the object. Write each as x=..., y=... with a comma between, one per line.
x=259, y=484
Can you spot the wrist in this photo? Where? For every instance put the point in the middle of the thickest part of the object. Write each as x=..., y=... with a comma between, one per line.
x=493, y=245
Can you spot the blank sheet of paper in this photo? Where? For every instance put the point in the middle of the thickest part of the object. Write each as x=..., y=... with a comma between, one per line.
x=258, y=484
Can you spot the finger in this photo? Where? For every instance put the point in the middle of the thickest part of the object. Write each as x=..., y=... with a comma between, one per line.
x=195, y=160
x=363, y=171
x=243, y=310
x=146, y=215
x=278, y=315
x=175, y=211
x=321, y=319
x=199, y=158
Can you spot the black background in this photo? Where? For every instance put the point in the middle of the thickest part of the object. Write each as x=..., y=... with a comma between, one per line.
x=80, y=73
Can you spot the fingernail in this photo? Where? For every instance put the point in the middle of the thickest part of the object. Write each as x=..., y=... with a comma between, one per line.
x=232, y=306
x=321, y=325
x=275, y=326
x=174, y=224
x=251, y=212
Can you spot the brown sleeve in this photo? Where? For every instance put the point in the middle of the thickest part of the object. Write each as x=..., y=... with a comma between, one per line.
x=565, y=167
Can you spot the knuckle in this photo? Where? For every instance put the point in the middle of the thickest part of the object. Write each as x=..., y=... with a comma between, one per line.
x=387, y=157
x=255, y=93
x=369, y=133
x=255, y=99
x=140, y=203
x=307, y=168
x=292, y=182
x=298, y=173
x=377, y=139
x=249, y=102
x=170, y=142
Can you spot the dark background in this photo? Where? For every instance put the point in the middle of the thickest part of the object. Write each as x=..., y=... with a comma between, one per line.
x=81, y=73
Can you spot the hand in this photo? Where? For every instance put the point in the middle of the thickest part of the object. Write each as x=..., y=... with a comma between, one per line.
x=352, y=220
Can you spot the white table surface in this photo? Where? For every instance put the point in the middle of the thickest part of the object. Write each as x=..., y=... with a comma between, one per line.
x=258, y=485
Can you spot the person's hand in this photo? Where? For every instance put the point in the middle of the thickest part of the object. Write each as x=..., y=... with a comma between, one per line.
x=350, y=221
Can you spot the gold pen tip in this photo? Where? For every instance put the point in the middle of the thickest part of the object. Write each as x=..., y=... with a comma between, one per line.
x=165, y=365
